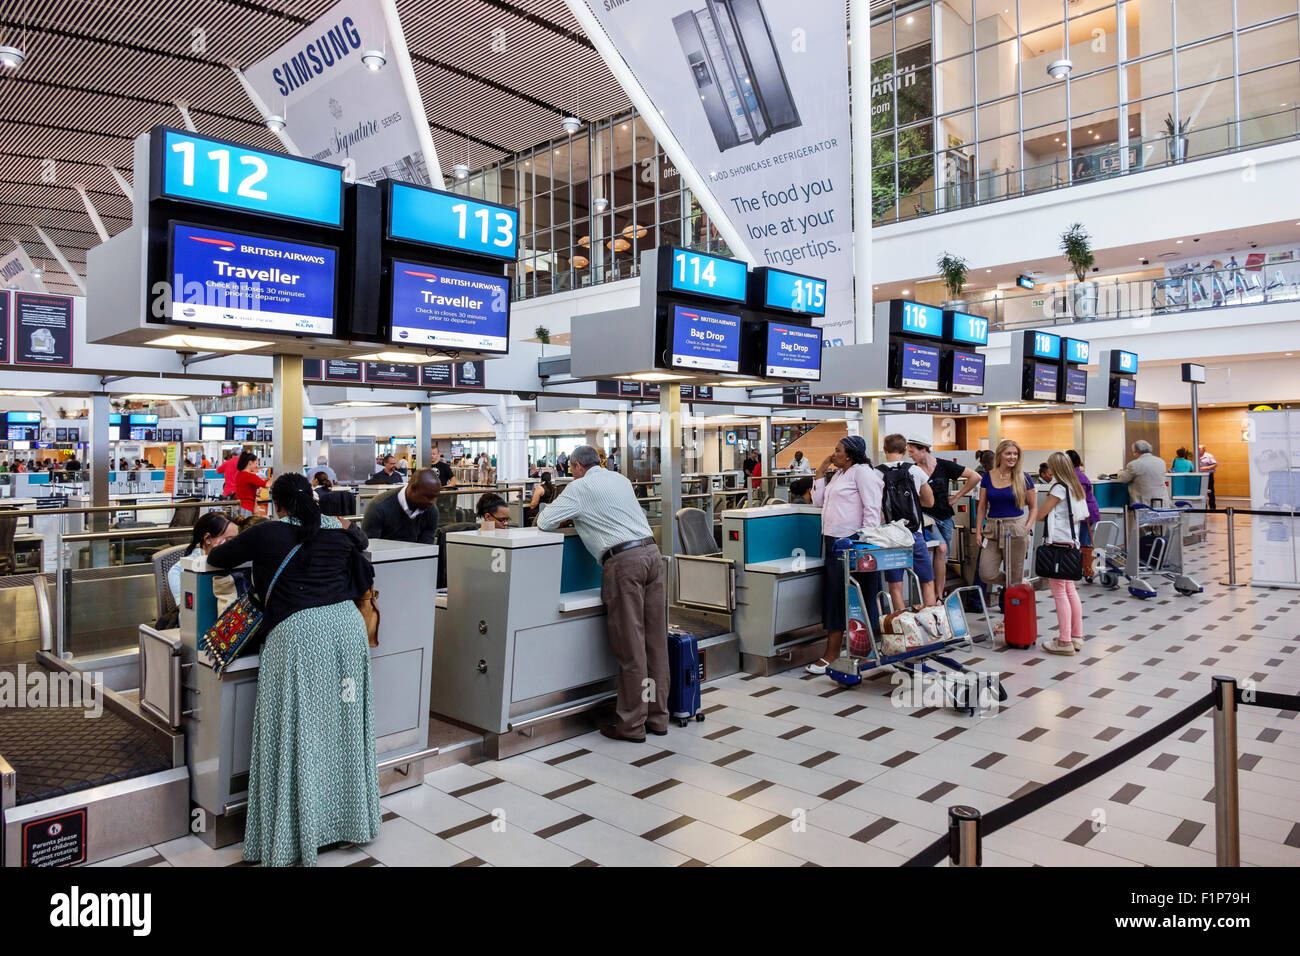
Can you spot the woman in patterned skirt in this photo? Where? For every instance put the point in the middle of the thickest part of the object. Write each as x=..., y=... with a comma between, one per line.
x=313, y=779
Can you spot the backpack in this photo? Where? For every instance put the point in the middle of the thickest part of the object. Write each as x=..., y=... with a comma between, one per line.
x=898, y=502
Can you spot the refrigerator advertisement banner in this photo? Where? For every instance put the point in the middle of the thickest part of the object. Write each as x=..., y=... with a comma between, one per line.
x=42, y=329
x=337, y=108
x=756, y=92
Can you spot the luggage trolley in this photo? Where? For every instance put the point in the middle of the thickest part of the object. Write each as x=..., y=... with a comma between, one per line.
x=917, y=661
x=1163, y=557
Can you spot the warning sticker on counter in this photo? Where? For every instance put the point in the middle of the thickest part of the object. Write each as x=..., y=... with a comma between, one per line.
x=59, y=840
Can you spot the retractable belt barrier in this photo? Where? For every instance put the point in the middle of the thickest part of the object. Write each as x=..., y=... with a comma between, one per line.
x=967, y=827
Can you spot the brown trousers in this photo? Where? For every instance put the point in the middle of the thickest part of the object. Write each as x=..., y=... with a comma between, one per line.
x=632, y=589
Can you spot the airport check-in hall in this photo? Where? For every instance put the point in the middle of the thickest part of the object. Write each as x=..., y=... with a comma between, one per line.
x=574, y=434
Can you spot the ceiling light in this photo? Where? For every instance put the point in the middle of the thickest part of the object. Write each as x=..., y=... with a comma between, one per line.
x=362, y=404
x=397, y=357
x=600, y=204
x=909, y=20
x=653, y=377
x=150, y=398
x=1179, y=242
x=11, y=57
x=740, y=383
x=23, y=393
x=37, y=272
x=460, y=171
x=1060, y=69
x=904, y=292
x=571, y=124
x=275, y=122
x=374, y=60
x=210, y=343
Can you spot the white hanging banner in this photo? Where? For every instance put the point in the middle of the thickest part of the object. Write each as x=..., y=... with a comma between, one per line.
x=16, y=272
x=338, y=109
x=757, y=96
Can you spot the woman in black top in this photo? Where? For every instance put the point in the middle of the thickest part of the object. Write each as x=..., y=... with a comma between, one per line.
x=313, y=779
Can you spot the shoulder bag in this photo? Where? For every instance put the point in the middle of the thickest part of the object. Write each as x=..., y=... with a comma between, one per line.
x=239, y=623
x=1060, y=561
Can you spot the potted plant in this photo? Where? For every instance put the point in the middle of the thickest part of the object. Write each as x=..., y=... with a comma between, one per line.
x=544, y=336
x=1077, y=246
x=1176, y=133
x=953, y=270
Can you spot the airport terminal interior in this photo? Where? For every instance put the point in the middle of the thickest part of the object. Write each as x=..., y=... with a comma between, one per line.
x=623, y=433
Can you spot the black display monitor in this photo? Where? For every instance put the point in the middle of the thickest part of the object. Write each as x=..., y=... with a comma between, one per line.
x=1123, y=392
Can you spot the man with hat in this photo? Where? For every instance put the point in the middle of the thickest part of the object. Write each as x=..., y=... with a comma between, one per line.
x=940, y=473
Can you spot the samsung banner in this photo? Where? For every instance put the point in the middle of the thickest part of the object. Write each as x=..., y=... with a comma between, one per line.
x=338, y=110
x=756, y=92
x=16, y=271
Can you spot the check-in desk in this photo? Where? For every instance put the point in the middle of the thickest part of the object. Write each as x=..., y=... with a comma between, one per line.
x=1191, y=488
x=218, y=711
x=522, y=650
x=777, y=555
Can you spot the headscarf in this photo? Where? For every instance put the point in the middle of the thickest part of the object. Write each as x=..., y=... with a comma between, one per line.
x=856, y=448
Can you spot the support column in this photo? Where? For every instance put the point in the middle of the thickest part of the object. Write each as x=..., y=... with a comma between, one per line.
x=871, y=428
x=1078, y=431
x=625, y=440
x=995, y=425
x=286, y=402
x=670, y=466
x=512, y=442
x=423, y=436
x=98, y=458
x=765, y=456
x=1196, y=433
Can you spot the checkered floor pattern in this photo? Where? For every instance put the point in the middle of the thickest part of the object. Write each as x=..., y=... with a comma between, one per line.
x=796, y=771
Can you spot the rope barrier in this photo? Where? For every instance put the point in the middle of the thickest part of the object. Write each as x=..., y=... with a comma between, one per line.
x=1261, y=698
x=1009, y=813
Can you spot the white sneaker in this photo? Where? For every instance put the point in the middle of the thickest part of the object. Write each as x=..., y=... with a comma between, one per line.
x=1078, y=643
x=1053, y=646
x=818, y=669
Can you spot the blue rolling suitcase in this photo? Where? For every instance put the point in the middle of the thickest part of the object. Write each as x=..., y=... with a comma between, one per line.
x=686, y=671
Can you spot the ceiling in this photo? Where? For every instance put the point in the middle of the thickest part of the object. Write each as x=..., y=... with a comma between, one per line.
x=98, y=74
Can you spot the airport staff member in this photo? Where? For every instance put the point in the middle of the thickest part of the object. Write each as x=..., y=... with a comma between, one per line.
x=603, y=507
x=1208, y=464
x=1144, y=475
x=387, y=475
x=227, y=470
x=406, y=514
x=801, y=465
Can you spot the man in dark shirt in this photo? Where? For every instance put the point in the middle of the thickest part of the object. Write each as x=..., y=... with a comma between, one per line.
x=940, y=473
x=388, y=475
x=407, y=514
x=446, y=476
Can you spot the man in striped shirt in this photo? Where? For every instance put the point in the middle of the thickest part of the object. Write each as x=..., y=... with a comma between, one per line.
x=603, y=507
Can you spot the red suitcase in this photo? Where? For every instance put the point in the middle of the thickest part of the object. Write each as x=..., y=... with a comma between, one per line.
x=1020, y=621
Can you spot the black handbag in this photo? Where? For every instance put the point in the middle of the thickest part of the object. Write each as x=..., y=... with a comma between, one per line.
x=1060, y=561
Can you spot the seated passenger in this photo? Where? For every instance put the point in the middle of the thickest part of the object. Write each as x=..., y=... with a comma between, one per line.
x=210, y=530
x=493, y=512
x=801, y=490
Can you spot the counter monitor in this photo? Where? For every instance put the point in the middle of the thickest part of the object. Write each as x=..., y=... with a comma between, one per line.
x=913, y=318
x=697, y=273
x=792, y=351
x=431, y=217
x=1074, y=386
x=704, y=340
x=790, y=292
x=1123, y=392
x=918, y=365
x=1077, y=351
x=1043, y=383
x=1042, y=345
x=449, y=308
x=963, y=329
x=964, y=373
x=1124, y=363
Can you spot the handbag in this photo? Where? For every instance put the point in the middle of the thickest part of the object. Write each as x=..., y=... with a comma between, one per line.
x=368, y=605
x=363, y=580
x=1062, y=562
x=226, y=638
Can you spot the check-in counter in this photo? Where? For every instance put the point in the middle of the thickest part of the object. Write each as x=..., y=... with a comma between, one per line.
x=219, y=711
x=522, y=643
x=776, y=552
x=1190, y=488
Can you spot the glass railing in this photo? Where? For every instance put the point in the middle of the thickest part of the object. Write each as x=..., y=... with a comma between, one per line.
x=1099, y=300
x=1103, y=162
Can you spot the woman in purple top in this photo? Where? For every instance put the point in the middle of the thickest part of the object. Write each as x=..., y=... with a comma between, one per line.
x=1094, y=513
x=850, y=502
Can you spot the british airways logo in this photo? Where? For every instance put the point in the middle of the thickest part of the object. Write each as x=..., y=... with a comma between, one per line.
x=222, y=244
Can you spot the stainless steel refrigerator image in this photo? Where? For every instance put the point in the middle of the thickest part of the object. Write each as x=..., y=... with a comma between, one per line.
x=736, y=71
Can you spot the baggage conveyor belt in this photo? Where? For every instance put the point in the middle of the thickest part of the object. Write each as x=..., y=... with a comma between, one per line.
x=57, y=750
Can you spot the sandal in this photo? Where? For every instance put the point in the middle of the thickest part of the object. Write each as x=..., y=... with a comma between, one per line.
x=818, y=669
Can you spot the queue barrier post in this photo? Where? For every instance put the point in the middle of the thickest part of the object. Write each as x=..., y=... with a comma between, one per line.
x=1232, y=549
x=964, y=836
x=1227, y=836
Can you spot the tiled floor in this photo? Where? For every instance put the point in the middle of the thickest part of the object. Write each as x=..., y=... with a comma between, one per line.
x=796, y=771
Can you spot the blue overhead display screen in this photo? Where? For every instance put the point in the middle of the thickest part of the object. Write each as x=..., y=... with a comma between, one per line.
x=920, y=366
x=1045, y=381
x=1045, y=345
x=1077, y=351
x=450, y=221
x=208, y=171
x=705, y=340
x=246, y=282
x=913, y=318
x=793, y=352
x=1125, y=390
x=696, y=273
x=967, y=373
x=1124, y=363
x=965, y=329
x=435, y=306
x=789, y=292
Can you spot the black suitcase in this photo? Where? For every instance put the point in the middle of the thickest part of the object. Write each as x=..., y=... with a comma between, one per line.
x=686, y=671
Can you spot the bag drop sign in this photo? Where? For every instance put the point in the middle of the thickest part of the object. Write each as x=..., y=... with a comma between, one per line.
x=42, y=329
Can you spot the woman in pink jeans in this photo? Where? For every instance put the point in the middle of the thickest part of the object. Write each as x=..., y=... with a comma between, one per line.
x=1065, y=506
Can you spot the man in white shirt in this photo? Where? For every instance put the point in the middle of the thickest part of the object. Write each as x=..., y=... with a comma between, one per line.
x=1208, y=463
x=801, y=465
x=603, y=507
x=896, y=457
